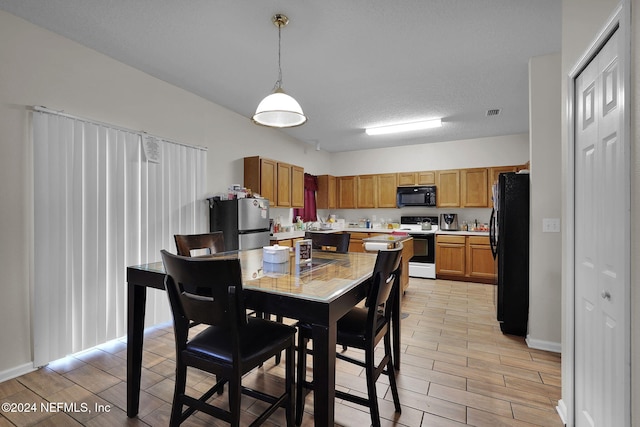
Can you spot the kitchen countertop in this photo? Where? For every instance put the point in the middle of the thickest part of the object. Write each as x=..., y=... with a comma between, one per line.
x=298, y=233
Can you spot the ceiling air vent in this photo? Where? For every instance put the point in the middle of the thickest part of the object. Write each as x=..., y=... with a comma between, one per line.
x=494, y=112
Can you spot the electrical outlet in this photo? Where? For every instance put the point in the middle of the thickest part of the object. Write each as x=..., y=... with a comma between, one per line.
x=550, y=225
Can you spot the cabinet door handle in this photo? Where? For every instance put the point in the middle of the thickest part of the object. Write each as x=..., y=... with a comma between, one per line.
x=605, y=295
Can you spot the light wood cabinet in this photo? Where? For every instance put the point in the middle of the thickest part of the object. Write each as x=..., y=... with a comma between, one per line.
x=450, y=256
x=284, y=185
x=326, y=197
x=474, y=188
x=260, y=175
x=297, y=187
x=416, y=178
x=355, y=241
x=407, y=254
x=347, y=186
x=367, y=188
x=281, y=183
x=387, y=188
x=465, y=258
x=480, y=262
x=448, y=188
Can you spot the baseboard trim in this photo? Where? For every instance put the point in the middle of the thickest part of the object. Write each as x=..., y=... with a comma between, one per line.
x=16, y=371
x=554, y=347
x=562, y=411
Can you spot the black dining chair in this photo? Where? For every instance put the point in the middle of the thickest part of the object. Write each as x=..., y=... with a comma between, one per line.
x=209, y=291
x=195, y=244
x=362, y=328
x=335, y=242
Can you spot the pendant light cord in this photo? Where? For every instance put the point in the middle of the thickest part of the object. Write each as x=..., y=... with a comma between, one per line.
x=278, y=84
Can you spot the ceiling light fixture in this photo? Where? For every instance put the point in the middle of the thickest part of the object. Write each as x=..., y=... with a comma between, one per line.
x=278, y=109
x=404, y=127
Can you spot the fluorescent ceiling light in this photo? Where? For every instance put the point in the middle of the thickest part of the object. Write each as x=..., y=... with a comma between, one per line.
x=404, y=127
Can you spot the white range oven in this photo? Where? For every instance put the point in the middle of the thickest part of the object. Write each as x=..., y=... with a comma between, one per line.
x=423, y=263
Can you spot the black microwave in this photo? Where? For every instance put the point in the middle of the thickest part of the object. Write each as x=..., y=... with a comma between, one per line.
x=416, y=196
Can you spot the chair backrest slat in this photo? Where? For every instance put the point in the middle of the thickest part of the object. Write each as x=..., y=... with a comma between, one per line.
x=335, y=242
x=201, y=288
x=209, y=243
x=385, y=274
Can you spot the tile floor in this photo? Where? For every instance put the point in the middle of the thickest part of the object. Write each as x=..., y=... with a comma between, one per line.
x=457, y=369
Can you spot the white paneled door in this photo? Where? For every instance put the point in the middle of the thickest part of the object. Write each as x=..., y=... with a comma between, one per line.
x=602, y=325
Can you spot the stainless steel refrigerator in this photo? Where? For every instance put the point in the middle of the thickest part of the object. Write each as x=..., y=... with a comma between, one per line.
x=243, y=222
x=509, y=237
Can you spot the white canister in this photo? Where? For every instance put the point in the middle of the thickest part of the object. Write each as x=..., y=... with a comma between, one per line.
x=275, y=254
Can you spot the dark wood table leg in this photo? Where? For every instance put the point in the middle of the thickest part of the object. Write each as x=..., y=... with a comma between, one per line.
x=137, y=297
x=324, y=374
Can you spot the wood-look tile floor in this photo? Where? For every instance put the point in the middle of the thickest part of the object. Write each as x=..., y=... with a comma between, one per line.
x=457, y=369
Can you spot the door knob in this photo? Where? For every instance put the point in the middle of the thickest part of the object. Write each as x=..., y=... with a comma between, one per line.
x=605, y=295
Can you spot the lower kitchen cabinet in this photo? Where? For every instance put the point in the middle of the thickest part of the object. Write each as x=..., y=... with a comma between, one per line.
x=465, y=258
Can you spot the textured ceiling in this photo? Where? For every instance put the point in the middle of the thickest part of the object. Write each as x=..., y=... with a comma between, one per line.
x=351, y=64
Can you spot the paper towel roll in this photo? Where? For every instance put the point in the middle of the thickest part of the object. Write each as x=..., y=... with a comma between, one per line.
x=377, y=246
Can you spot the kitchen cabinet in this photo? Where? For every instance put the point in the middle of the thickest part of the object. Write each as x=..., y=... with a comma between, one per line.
x=367, y=188
x=480, y=263
x=297, y=187
x=386, y=190
x=416, y=178
x=465, y=258
x=260, y=175
x=347, y=189
x=474, y=188
x=283, y=194
x=448, y=188
x=355, y=241
x=281, y=183
x=326, y=196
x=450, y=256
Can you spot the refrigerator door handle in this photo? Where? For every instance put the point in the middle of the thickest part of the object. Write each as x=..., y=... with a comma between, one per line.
x=492, y=234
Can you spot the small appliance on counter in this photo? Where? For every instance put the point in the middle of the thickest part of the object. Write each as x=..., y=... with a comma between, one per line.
x=449, y=222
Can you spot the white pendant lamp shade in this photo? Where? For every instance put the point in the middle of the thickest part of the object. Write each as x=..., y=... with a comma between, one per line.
x=279, y=110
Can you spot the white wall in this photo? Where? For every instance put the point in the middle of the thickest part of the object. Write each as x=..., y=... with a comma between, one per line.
x=480, y=152
x=40, y=68
x=545, y=254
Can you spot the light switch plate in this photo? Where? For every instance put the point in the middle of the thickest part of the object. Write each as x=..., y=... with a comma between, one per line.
x=550, y=225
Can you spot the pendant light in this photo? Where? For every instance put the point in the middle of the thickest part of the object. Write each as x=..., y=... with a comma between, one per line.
x=278, y=109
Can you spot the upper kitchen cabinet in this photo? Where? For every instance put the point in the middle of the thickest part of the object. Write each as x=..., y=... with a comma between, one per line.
x=448, y=188
x=474, y=189
x=347, y=190
x=387, y=188
x=416, y=178
x=260, y=175
x=281, y=183
x=326, y=197
x=297, y=187
x=367, y=188
x=284, y=185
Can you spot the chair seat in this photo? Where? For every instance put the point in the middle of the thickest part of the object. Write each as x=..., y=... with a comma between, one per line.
x=351, y=327
x=259, y=340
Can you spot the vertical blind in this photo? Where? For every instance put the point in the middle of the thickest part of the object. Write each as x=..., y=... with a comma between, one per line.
x=102, y=202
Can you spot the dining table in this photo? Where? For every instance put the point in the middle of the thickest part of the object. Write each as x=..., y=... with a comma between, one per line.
x=318, y=292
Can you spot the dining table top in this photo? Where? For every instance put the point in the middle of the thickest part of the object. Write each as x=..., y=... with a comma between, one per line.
x=327, y=276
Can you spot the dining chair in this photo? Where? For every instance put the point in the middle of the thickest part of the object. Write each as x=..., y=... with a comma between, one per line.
x=335, y=242
x=362, y=328
x=210, y=291
x=207, y=243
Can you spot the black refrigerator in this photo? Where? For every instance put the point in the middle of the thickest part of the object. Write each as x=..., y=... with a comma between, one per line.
x=244, y=222
x=509, y=237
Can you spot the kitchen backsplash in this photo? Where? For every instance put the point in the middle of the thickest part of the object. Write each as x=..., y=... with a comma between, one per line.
x=353, y=215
